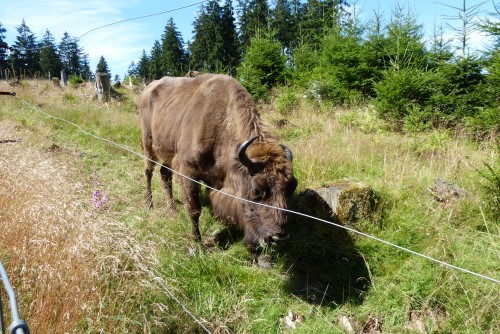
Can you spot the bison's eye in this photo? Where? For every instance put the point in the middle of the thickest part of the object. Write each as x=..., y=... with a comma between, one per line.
x=258, y=194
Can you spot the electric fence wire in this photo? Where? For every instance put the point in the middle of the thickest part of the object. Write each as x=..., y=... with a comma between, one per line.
x=141, y=17
x=120, y=21
x=182, y=305
x=401, y=248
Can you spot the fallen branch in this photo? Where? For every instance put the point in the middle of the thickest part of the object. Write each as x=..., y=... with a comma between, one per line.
x=3, y=141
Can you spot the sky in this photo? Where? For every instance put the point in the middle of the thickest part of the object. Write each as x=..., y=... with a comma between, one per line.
x=122, y=42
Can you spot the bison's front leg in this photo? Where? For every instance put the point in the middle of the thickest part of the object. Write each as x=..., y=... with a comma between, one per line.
x=166, y=177
x=192, y=200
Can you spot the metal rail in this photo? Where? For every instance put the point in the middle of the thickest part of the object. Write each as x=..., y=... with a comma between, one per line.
x=18, y=326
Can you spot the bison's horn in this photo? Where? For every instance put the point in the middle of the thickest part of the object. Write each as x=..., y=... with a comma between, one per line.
x=242, y=155
x=288, y=152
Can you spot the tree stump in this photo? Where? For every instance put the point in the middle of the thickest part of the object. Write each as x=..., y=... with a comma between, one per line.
x=55, y=81
x=64, y=79
x=447, y=193
x=102, y=86
x=345, y=201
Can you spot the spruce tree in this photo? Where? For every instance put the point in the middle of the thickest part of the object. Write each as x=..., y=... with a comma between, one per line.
x=263, y=66
x=71, y=55
x=132, y=68
x=285, y=24
x=405, y=44
x=143, y=67
x=174, y=60
x=49, y=56
x=102, y=66
x=343, y=65
x=3, y=50
x=85, y=72
x=155, y=63
x=230, y=42
x=319, y=16
x=25, y=54
x=207, y=46
x=253, y=19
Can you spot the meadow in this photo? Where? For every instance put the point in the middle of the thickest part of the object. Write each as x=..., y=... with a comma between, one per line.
x=86, y=256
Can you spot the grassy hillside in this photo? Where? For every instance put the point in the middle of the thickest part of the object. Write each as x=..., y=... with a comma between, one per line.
x=85, y=256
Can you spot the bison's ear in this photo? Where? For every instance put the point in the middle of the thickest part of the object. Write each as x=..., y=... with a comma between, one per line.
x=288, y=152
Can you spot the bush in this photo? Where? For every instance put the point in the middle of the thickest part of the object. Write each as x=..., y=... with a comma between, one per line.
x=484, y=123
x=419, y=119
x=400, y=91
x=287, y=101
x=305, y=60
x=263, y=67
x=75, y=81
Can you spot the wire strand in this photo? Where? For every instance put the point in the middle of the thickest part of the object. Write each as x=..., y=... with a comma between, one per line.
x=118, y=22
x=141, y=17
x=158, y=279
x=269, y=206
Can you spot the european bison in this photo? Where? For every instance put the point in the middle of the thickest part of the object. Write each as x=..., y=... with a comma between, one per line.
x=208, y=129
x=192, y=74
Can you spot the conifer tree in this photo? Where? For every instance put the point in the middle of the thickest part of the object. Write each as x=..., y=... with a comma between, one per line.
x=71, y=55
x=143, y=67
x=3, y=50
x=102, y=66
x=405, y=44
x=285, y=24
x=155, y=63
x=343, y=63
x=230, y=42
x=319, y=16
x=174, y=59
x=207, y=45
x=263, y=66
x=50, y=61
x=132, y=68
x=85, y=72
x=25, y=54
x=253, y=19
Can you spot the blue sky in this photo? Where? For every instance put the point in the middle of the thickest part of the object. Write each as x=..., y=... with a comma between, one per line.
x=123, y=42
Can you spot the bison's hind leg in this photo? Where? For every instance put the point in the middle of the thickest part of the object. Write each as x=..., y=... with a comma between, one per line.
x=166, y=178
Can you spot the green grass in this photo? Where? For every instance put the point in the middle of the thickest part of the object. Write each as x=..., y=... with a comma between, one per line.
x=323, y=273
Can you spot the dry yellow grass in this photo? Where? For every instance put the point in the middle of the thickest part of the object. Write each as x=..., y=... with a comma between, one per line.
x=61, y=254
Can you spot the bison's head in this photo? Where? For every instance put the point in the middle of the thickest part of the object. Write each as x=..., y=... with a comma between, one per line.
x=267, y=180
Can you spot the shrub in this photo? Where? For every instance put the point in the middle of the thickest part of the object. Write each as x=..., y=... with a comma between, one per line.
x=484, y=123
x=419, y=119
x=75, y=80
x=399, y=91
x=287, y=101
x=263, y=67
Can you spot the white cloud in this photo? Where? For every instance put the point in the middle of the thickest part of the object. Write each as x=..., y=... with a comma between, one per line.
x=118, y=43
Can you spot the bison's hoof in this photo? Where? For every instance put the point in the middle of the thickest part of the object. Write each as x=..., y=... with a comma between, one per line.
x=265, y=261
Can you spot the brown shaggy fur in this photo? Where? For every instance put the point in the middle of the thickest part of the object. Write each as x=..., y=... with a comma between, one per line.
x=195, y=126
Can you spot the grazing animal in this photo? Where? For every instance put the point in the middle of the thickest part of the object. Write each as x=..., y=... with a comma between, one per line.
x=193, y=74
x=208, y=129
